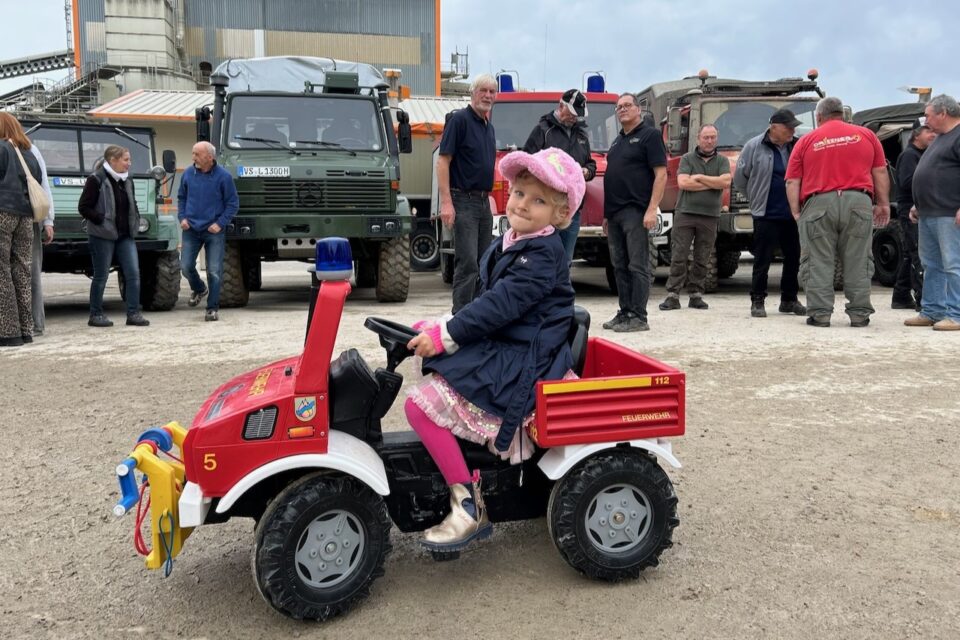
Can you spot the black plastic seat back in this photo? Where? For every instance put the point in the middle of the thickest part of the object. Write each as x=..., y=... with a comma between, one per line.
x=579, y=331
x=353, y=392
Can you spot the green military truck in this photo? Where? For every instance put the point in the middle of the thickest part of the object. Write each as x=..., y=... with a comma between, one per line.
x=313, y=151
x=69, y=150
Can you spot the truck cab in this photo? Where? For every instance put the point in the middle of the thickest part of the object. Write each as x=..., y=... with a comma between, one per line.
x=313, y=151
x=741, y=110
x=70, y=150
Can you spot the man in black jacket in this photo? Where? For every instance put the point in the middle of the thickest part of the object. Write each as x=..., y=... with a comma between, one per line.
x=564, y=129
x=910, y=271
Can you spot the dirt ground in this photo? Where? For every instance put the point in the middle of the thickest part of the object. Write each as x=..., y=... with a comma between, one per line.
x=818, y=498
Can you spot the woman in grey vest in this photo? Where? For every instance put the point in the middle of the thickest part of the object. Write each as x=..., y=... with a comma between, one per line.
x=109, y=206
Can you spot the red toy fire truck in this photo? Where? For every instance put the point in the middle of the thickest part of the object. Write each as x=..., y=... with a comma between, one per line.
x=297, y=445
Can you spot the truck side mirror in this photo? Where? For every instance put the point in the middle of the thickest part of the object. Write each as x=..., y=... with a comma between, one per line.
x=169, y=160
x=674, y=131
x=404, y=133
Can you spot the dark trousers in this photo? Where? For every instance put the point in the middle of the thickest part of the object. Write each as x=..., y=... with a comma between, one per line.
x=701, y=232
x=472, y=233
x=910, y=271
x=628, y=242
x=767, y=236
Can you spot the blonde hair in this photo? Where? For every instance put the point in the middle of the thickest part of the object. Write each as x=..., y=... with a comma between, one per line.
x=562, y=216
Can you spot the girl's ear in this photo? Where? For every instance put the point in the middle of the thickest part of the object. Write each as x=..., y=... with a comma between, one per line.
x=561, y=219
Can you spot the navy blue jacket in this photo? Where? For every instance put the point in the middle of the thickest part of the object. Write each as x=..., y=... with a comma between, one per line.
x=207, y=197
x=514, y=333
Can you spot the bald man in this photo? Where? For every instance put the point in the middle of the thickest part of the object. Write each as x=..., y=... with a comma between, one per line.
x=206, y=203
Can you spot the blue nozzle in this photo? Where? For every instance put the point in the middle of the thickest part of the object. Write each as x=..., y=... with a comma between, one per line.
x=129, y=495
x=334, y=259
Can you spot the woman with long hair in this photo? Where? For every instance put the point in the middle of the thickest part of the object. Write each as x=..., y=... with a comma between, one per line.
x=16, y=233
x=109, y=206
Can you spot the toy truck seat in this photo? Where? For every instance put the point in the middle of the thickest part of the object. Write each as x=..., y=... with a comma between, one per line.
x=359, y=397
x=579, y=330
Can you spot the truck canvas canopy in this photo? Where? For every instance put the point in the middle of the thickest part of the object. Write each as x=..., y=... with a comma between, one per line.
x=290, y=73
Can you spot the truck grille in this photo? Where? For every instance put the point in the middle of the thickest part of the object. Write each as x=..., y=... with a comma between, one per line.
x=285, y=194
x=259, y=424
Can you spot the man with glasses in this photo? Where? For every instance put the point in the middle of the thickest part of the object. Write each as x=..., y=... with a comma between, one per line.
x=632, y=189
x=564, y=129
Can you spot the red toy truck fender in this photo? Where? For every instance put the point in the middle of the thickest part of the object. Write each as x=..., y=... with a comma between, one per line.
x=556, y=462
x=345, y=453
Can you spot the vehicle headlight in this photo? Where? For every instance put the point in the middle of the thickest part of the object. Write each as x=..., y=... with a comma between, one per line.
x=144, y=225
x=158, y=173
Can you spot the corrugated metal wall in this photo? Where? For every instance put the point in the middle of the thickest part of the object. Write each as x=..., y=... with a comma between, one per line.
x=385, y=33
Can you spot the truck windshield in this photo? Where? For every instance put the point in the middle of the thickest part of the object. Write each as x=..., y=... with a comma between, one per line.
x=513, y=122
x=75, y=151
x=737, y=122
x=303, y=122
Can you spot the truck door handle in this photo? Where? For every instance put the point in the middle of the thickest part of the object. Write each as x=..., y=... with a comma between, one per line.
x=296, y=228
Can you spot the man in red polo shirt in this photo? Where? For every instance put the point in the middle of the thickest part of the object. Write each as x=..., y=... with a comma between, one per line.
x=835, y=172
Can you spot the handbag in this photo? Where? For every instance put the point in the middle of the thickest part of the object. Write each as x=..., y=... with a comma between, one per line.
x=39, y=200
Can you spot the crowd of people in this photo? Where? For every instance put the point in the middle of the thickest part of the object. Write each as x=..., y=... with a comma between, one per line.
x=816, y=199
x=206, y=203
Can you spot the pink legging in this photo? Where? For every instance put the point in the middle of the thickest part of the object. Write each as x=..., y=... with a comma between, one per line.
x=440, y=443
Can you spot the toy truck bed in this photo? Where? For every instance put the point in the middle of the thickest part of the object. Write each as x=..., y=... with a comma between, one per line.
x=622, y=395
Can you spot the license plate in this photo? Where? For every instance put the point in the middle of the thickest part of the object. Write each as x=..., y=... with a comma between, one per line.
x=263, y=172
x=69, y=182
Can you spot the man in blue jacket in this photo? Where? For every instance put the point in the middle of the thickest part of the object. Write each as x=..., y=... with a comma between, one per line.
x=206, y=203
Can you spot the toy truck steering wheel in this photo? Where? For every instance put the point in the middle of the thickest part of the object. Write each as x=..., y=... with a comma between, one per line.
x=394, y=338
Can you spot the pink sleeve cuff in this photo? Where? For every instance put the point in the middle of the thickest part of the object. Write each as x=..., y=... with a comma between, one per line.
x=434, y=332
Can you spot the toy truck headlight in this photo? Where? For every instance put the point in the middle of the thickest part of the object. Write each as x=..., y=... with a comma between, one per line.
x=334, y=261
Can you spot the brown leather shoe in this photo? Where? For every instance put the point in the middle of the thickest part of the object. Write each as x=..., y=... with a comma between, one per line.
x=947, y=325
x=919, y=320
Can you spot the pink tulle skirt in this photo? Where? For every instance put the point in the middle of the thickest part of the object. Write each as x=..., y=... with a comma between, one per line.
x=450, y=410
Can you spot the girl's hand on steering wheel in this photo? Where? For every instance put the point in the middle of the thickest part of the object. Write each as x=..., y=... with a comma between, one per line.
x=422, y=346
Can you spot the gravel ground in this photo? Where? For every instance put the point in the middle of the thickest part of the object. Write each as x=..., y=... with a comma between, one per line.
x=818, y=497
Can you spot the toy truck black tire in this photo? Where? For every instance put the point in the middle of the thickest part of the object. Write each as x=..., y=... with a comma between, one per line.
x=281, y=539
x=233, y=285
x=578, y=496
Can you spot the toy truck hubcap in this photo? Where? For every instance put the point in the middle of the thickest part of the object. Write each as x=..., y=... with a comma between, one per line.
x=618, y=518
x=330, y=549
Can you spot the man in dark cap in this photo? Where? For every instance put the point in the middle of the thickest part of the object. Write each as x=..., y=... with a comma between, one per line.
x=910, y=271
x=565, y=129
x=760, y=175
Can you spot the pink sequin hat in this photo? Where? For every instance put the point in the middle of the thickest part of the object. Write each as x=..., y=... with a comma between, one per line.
x=551, y=166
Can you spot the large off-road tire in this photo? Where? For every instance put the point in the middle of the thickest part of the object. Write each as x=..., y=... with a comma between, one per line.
x=159, y=281
x=233, y=286
x=652, y=260
x=611, y=274
x=837, y=275
x=252, y=271
x=393, y=270
x=727, y=263
x=424, y=249
x=613, y=515
x=887, y=253
x=320, y=545
x=711, y=281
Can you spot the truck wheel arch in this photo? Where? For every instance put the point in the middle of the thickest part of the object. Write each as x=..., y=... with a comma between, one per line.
x=345, y=453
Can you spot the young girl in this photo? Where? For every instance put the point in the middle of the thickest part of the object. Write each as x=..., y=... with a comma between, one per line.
x=482, y=364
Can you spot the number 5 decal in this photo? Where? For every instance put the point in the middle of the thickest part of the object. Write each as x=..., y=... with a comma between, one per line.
x=209, y=461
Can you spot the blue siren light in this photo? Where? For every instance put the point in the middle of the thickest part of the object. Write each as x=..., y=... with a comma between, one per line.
x=596, y=84
x=334, y=259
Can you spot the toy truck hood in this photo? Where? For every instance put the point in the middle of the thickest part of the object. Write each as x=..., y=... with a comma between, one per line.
x=248, y=392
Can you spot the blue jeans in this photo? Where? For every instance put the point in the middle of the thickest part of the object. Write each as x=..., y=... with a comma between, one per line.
x=102, y=252
x=215, y=244
x=940, y=255
x=569, y=236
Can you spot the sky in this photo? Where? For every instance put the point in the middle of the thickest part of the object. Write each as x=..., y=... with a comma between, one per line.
x=865, y=51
